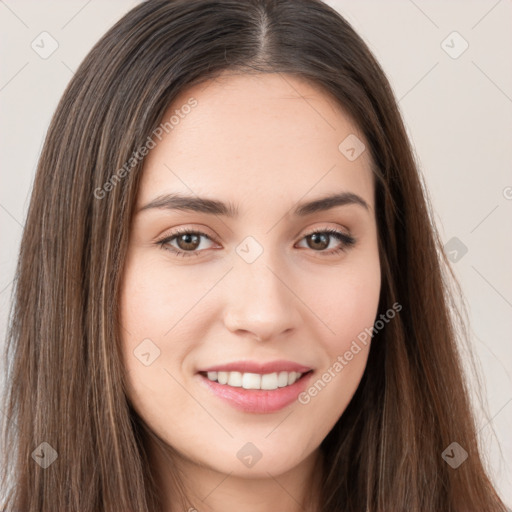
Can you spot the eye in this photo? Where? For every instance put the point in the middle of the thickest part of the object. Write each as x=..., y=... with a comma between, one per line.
x=189, y=241
x=321, y=238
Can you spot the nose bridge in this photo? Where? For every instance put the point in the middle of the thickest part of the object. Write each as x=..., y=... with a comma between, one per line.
x=260, y=300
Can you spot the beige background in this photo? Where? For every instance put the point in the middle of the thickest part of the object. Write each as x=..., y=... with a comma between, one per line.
x=458, y=113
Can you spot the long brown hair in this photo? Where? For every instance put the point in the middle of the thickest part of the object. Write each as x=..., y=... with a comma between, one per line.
x=65, y=380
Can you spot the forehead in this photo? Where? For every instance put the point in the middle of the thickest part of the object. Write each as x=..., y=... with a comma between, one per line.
x=273, y=135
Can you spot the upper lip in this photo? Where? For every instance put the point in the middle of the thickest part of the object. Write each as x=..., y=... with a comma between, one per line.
x=258, y=367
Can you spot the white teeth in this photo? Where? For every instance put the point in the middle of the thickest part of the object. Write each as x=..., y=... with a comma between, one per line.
x=251, y=381
x=235, y=379
x=292, y=377
x=282, y=379
x=268, y=381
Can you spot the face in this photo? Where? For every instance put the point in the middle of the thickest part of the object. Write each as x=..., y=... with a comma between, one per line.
x=251, y=281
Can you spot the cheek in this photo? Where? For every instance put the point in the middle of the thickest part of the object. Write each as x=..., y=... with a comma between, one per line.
x=156, y=298
x=142, y=326
x=348, y=301
x=155, y=306
x=147, y=313
x=349, y=306
x=143, y=297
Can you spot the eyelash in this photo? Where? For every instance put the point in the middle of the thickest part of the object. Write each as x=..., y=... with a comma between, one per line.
x=347, y=241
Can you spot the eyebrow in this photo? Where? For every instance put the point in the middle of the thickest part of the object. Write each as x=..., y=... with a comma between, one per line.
x=216, y=207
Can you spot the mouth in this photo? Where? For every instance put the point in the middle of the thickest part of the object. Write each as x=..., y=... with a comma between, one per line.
x=247, y=380
x=254, y=392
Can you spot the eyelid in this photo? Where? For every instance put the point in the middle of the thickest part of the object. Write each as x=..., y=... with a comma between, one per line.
x=186, y=230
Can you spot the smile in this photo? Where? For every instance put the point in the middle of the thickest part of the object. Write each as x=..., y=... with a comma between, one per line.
x=253, y=392
x=267, y=381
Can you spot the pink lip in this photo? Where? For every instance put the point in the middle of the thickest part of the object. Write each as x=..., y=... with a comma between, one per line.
x=257, y=400
x=255, y=367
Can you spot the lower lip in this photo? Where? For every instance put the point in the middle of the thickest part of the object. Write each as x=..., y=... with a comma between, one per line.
x=258, y=400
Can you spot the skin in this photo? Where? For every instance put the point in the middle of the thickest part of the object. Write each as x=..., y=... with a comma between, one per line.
x=263, y=143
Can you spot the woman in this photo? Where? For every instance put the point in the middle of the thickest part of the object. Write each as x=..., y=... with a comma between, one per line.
x=305, y=357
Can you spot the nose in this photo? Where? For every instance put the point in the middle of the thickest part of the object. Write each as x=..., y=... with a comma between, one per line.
x=261, y=303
